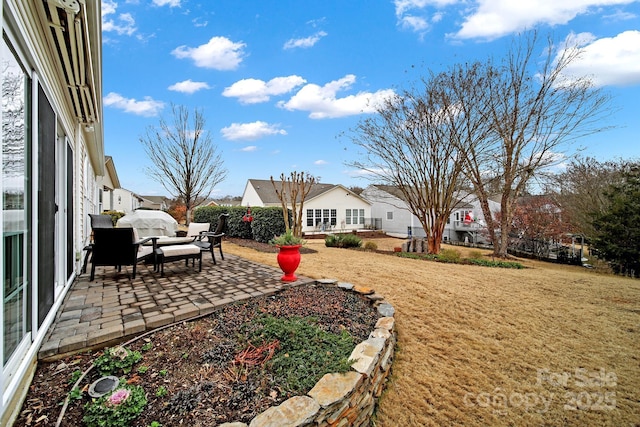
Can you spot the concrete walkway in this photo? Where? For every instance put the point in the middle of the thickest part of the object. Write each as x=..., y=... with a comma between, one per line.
x=113, y=308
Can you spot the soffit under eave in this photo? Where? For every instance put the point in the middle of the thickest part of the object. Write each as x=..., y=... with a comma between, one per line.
x=74, y=39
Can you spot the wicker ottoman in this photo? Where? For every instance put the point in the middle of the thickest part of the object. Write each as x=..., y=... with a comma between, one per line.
x=178, y=252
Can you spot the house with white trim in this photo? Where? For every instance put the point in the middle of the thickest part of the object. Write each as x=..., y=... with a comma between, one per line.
x=52, y=158
x=159, y=203
x=327, y=207
x=126, y=201
x=110, y=182
x=466, y=222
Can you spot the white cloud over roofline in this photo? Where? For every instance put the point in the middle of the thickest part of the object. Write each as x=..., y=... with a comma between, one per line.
x=251, y=131
x=148, y=107
x=219, y=53
x=253, y=91
x=322, y=101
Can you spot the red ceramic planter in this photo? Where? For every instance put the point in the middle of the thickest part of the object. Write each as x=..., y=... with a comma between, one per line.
x=289, y=260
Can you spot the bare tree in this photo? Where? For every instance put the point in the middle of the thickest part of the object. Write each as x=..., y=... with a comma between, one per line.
x=292, y=191
x=186, y=161
x=415, y=143
x=581, y=189
x=533, y=113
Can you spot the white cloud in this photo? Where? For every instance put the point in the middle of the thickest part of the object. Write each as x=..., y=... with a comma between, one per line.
x=492, y=19
x=322, y=102
x=147, y=107
x=251, y=131
x=620, y=15
x=410, y=14
x=608, y=61
x=199, y=22
x=253, y=91
x=123, y=24
x=218, y=53
x=402, y=6
x=188, y=86
x=304, y=42
x=108, y=7
x=320, y=162
x=170, y=3
x=249, y=148
x=414, y=23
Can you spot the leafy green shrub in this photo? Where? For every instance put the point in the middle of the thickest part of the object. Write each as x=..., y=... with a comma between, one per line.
x=331, y=240
x=370, y=246
x=116, y=409
x=234, y=226
x=117, y=359
x=306, y=352
x=267, y=223
x=345, y=240
x=449, y=255
x=115, y=215
x=475, y=254
x=501, y=264
x=351, y=241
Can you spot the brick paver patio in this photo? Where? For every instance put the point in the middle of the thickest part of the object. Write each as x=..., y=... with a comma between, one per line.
x=113, y=307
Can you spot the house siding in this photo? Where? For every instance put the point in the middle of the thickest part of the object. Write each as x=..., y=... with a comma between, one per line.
x=250, y=196
x=27, y=36
x=340, y=199
x=405, y=224
x=403, y=220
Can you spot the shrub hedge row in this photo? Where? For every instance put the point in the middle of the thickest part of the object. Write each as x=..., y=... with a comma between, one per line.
x=343, y=240
x=267, y=222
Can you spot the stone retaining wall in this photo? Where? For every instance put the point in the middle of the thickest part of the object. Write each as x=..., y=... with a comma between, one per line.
x=347, y=399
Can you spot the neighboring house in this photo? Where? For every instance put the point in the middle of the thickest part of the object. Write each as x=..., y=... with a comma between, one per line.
x=126, y=201
x=225, y=202
x=326, y=207
x=109, y=182
x=159, y=203
x=466, y=223
x=52, y=154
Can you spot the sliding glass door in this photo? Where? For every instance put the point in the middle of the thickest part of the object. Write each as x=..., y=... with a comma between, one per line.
x=16, y=305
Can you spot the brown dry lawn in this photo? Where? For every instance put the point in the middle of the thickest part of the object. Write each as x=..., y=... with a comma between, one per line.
x=478, y=346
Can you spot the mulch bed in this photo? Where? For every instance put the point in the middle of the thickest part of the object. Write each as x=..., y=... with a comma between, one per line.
x=193, y=362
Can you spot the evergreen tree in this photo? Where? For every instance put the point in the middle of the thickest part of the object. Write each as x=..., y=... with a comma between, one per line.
x=618, y=228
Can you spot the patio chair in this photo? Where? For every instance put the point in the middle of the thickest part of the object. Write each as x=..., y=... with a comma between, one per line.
x=97, y=221
x=214, y=238
x=117, y=247
x=101, y=221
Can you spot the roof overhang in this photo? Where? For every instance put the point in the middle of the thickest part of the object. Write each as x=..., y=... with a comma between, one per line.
x=75, y=37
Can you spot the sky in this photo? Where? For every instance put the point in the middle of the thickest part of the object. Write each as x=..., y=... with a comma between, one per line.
x=282, y=84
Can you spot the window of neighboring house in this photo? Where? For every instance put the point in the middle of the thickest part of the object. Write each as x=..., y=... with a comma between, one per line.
x=322, y=216
x=354, y=216
x=390, y=216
